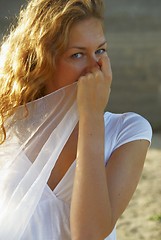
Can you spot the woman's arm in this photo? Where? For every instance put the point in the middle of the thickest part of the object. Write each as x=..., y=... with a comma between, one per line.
x=100, y=193
x=90, y=207
x=123, y=172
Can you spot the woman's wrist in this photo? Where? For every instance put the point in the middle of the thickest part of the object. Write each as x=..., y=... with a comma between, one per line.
x=91, y=116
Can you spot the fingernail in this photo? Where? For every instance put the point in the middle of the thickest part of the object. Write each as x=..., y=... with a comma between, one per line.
x=99, y=62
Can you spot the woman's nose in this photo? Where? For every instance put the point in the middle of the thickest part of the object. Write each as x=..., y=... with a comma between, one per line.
x=92, y=62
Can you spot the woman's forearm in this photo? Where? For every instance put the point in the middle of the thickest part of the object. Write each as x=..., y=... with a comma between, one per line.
x=90, y=207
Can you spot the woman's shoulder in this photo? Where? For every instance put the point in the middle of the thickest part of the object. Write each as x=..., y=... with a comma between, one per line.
x=127, y=126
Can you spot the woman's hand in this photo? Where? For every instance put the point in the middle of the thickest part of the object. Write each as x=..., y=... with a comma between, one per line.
x=94, y=88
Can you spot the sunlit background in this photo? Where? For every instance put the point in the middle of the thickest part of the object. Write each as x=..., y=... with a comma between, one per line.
x=133, y=30
x=134, y=35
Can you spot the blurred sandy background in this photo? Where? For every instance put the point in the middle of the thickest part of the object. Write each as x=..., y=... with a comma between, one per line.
x=133, y=30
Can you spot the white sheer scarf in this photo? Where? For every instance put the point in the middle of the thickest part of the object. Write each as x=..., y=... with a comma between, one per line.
x=39, y=137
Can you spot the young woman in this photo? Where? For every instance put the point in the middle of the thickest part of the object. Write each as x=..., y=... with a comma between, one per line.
x=68, y=170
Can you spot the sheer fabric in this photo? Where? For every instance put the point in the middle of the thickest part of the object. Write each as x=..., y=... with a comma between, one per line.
x=39, y=137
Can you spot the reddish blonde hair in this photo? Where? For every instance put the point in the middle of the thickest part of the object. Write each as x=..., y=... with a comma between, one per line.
x=27, y=56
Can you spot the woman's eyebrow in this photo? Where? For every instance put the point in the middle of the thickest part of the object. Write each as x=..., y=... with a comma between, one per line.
x=105, y=42
x=83, y=48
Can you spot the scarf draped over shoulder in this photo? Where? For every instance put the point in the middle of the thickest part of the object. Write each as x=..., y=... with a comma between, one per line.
x=36, y=135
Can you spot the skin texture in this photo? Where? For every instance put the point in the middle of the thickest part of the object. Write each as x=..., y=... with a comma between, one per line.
x=100, y=194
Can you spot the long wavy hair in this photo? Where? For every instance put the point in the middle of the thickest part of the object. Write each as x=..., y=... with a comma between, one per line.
x=28, y=54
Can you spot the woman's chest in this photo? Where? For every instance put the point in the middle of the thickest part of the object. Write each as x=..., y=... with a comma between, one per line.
x=64, y=162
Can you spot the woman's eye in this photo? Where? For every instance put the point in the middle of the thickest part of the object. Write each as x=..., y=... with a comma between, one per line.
x=101, y=51
x=77, y=55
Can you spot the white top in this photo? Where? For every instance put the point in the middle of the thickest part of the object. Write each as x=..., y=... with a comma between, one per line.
x=50, y=220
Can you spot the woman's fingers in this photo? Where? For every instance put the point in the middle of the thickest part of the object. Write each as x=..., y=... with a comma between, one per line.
x=105, y=66
x=94, y=87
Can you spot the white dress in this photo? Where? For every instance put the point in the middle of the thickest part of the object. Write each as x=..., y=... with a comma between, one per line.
x=43, y=214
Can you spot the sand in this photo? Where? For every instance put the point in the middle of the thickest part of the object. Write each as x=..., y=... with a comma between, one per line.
x=142, y=219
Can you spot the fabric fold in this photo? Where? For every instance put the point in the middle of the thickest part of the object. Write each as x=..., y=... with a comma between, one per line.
x=41, y=137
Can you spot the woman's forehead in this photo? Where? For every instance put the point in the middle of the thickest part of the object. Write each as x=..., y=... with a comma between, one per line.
x=86, y=31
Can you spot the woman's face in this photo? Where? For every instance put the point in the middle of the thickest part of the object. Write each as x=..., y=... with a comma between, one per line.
x=86, y=45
